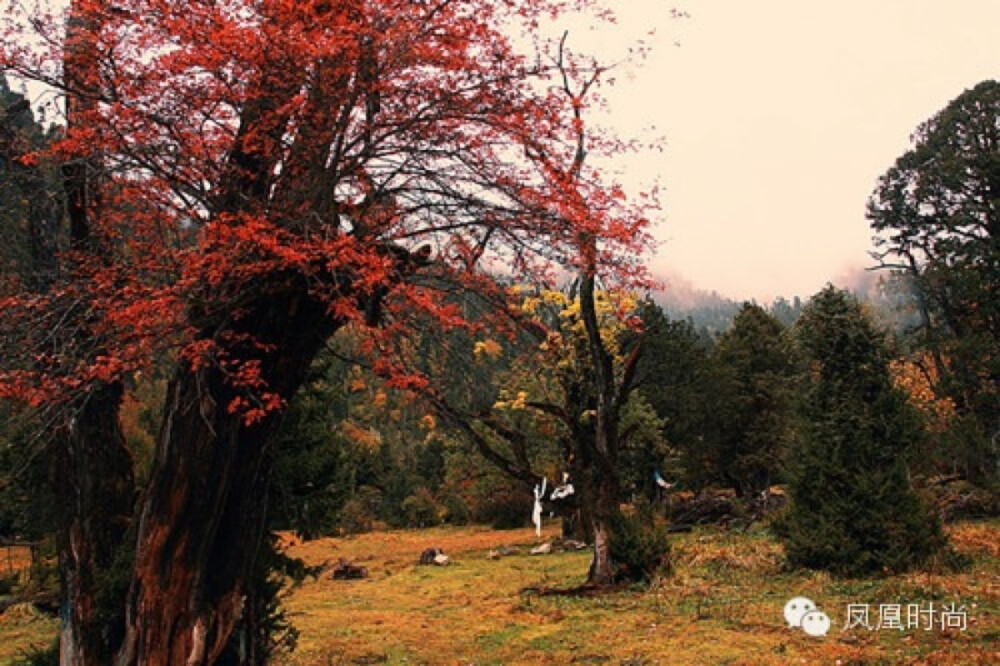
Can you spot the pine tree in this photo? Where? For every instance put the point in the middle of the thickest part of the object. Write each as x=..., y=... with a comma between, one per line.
x=676, y=376
x=853, y=511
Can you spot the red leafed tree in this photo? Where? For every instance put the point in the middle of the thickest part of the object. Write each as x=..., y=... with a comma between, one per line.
x=243, y=179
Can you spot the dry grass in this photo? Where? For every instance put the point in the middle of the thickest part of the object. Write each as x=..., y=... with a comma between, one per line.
x=23, y=629
x=722, y=605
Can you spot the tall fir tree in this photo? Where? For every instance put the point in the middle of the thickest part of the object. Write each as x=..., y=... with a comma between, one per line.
x=676, y=377
x=757, y=380
x=853, y=511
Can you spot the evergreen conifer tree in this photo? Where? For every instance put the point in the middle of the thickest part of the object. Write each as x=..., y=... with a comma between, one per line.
x=853, y=511
x=757, y=381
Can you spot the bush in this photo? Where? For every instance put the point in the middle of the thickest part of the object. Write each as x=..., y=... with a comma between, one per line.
x=264, y=631
x=961, y=500
x=361, y=511
x=39, y=656
x=456, y=512
x=422, y=509
x=507, y=509
x=639, y=546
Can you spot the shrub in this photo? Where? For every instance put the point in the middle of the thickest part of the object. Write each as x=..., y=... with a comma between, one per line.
x=361, y=511
x=264, y=631
x=422, y=509
x=456, y=512
x=39, y=656
x=508, y=509
x=639, y=545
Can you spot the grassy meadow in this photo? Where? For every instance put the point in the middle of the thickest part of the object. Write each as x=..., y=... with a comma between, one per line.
x=722, y=605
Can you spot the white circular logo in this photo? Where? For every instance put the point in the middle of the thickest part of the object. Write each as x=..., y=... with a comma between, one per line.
x=816, y=623
x=796, y=609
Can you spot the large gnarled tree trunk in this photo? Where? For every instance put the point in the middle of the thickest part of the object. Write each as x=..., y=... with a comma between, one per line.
x=203, y=516
x=92, y=473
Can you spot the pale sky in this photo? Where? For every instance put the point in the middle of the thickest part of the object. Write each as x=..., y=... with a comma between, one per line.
x=779, y=116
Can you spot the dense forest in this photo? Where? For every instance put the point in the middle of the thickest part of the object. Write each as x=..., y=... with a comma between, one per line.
x=328, y=269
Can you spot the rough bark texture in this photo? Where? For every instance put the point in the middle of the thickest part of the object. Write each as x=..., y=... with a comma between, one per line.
x=203, y=514
x=92, y=468
x=602, y=510
x=601, y=570
x=92, y=472
x=602, y=447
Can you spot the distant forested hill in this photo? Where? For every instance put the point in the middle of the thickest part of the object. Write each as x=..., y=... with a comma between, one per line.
x=708, y=310
x=890, y=299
